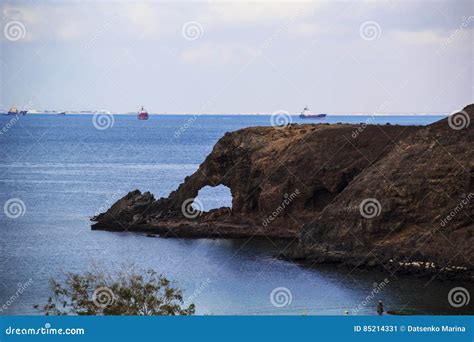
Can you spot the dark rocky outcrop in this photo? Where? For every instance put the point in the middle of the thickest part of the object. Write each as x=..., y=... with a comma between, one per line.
x=307, y=183
x=424, y=224
x=279, y=178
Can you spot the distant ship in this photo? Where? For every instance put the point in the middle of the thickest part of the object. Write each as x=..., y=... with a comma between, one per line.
x=143, y=114
x=61, y=113
x=14, y=111
x=307, y=114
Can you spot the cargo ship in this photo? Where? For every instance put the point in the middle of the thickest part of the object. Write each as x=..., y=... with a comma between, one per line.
x=307, y=114
x=142, y=114
x=14, y=111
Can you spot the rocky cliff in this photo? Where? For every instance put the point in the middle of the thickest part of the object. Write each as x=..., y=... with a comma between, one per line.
x=280, y=178
x=410, y=211
x=359, y=194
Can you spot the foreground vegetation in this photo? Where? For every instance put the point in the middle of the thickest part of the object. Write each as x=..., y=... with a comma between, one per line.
x=133, y=292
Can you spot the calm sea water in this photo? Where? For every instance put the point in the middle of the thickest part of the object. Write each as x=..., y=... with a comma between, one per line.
x=65, y=170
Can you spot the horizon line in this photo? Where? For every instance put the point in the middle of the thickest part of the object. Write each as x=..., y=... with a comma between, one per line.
x=240, y=113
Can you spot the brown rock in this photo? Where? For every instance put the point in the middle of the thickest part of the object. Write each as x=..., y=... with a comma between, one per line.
x=310, y=181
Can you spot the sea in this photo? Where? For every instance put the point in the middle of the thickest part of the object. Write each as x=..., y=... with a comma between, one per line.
x=58, y=171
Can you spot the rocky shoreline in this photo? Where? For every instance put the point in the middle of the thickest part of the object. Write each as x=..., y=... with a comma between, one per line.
x=352, y=261
x=392, y=197
x=199, y=230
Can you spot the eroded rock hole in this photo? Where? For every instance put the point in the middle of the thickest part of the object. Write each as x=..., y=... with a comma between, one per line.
x=209, y=198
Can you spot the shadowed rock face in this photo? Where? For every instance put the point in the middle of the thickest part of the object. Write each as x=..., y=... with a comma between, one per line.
x=310, y=181
x=426, y=193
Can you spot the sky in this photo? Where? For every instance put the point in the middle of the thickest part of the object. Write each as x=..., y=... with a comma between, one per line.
x=238, y=57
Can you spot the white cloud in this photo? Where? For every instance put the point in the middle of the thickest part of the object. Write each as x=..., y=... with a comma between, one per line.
x=258, y=13
x=152, y=20
x=219, y=54
x=69, y=31
x=419, y=37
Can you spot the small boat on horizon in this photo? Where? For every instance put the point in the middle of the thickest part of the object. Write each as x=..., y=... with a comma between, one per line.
x=307, y=114
x=14, y=111
x=142, y=114
x=102, y=111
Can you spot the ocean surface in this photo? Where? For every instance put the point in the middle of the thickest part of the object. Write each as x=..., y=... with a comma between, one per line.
x=64, y=170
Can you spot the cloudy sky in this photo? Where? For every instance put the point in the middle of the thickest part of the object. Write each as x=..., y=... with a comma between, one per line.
x=233, y=57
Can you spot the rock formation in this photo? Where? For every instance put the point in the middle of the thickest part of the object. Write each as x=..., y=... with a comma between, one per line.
x=418, y=210
x=317, y=184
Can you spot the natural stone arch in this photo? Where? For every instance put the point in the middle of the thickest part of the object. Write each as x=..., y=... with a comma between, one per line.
x=213, y=197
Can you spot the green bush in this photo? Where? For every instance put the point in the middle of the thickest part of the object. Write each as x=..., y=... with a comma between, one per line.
x=135, y=292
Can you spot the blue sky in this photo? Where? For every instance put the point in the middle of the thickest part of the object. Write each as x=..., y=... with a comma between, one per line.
x=233, y=57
